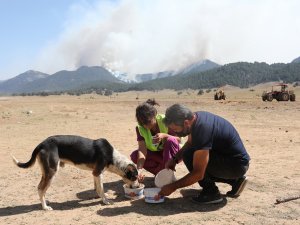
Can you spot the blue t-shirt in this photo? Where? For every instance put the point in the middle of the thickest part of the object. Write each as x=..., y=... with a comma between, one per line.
x=216, y=134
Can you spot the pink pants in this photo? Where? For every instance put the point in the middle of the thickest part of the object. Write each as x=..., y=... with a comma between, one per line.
x=155, y=161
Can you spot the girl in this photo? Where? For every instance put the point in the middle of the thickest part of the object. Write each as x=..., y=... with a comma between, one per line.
x=156, y=144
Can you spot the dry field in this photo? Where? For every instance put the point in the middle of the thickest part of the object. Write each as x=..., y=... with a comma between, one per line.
x=270, y=131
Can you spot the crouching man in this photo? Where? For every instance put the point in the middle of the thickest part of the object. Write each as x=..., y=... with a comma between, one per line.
x=214, y=152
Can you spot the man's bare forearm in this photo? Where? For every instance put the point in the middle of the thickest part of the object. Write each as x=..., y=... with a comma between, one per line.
x=187, y=180
x=179, y=154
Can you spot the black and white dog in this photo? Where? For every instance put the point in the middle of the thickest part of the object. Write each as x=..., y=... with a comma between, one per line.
x=94, y=155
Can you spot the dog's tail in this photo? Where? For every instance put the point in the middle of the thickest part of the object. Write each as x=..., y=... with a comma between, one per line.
x=31, y=160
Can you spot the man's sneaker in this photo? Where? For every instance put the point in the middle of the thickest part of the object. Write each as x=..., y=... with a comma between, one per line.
x=208, y=198
x=238, y=187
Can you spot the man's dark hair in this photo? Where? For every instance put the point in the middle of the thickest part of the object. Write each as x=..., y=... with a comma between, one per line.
x=146, y=111
x=177, y=114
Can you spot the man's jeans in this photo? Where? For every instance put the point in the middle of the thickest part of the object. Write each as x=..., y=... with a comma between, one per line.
x=220, y=168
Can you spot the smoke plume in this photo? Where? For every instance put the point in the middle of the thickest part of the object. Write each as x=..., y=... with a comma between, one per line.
x=140, y=36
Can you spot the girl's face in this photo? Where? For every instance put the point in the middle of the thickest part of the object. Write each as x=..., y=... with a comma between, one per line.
x=150, y=124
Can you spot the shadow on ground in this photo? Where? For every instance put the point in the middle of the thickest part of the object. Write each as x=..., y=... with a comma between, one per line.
x=169, y=207
x=85, y=199
x=22, y=209
x=89, y=198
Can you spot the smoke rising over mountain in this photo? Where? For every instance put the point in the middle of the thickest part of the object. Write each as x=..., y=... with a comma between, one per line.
x=140, y=36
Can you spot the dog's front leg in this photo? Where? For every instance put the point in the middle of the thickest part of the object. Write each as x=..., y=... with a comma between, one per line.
x=100, y=190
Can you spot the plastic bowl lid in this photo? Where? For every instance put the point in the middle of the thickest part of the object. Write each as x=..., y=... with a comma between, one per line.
x=164, y=177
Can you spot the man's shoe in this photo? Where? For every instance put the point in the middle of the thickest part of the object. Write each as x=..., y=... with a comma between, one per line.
x=237, y=187
x=208, y=198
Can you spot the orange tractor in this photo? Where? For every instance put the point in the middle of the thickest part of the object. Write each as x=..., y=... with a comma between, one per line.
x=280, y=95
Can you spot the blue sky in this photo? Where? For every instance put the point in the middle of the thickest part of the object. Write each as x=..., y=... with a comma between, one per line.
x=26, y=27
x=140, y=36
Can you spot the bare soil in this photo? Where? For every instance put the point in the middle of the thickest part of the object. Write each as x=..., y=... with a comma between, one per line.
x=269, y=130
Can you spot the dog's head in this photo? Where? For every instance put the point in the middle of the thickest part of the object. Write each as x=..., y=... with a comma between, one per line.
x=131, y=174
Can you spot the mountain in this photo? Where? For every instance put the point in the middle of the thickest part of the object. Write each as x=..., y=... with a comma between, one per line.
x=65, y=80
x=297, y=60
x=151, y=76
x=120, y=76
x=88, y=79
x=241, y=74
x=197, y=67
x=13, y=84
x=33, y=81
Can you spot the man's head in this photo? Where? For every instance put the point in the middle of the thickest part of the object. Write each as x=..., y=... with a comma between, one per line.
x=179, y=119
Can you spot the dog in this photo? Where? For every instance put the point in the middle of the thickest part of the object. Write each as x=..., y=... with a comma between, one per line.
x=84, y=153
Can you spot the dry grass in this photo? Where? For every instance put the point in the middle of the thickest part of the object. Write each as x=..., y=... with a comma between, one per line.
x=270, y=131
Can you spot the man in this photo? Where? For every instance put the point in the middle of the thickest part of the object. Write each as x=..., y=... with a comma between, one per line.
x=214, y=152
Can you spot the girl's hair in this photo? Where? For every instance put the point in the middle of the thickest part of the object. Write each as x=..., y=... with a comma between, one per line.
x=146, y=111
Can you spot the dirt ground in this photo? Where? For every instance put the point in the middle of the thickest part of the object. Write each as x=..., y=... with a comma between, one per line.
x=269, y=130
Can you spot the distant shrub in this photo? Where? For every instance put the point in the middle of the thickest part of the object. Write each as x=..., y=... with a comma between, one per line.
x=99, y=92
x=200, y=92
x=44, y=93
x=108, y=92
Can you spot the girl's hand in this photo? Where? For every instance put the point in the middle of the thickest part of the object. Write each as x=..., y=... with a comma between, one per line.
x=140, y=176
x=159, y=137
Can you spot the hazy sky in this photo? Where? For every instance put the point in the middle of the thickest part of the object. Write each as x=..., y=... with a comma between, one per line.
x=141, y=36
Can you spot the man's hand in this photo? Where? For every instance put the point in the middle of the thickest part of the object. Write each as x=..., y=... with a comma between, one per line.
x=170, y=164
x=166, y=190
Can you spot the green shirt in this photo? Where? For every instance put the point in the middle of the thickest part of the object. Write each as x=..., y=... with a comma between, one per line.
x=146, y=133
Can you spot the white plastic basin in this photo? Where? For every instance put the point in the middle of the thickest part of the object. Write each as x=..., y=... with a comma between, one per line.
x=134, y=193
x=151, y=195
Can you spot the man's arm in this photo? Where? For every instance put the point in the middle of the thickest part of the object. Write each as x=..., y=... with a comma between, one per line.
x=200, y=161
x=178, y=156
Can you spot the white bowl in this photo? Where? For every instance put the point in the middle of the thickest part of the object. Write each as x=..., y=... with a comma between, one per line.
x=164, y=177
x=151, y=195
x=134, y=193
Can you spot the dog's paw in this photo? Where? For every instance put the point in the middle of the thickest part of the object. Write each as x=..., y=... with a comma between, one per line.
x=107, y=202
x=47, y=208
